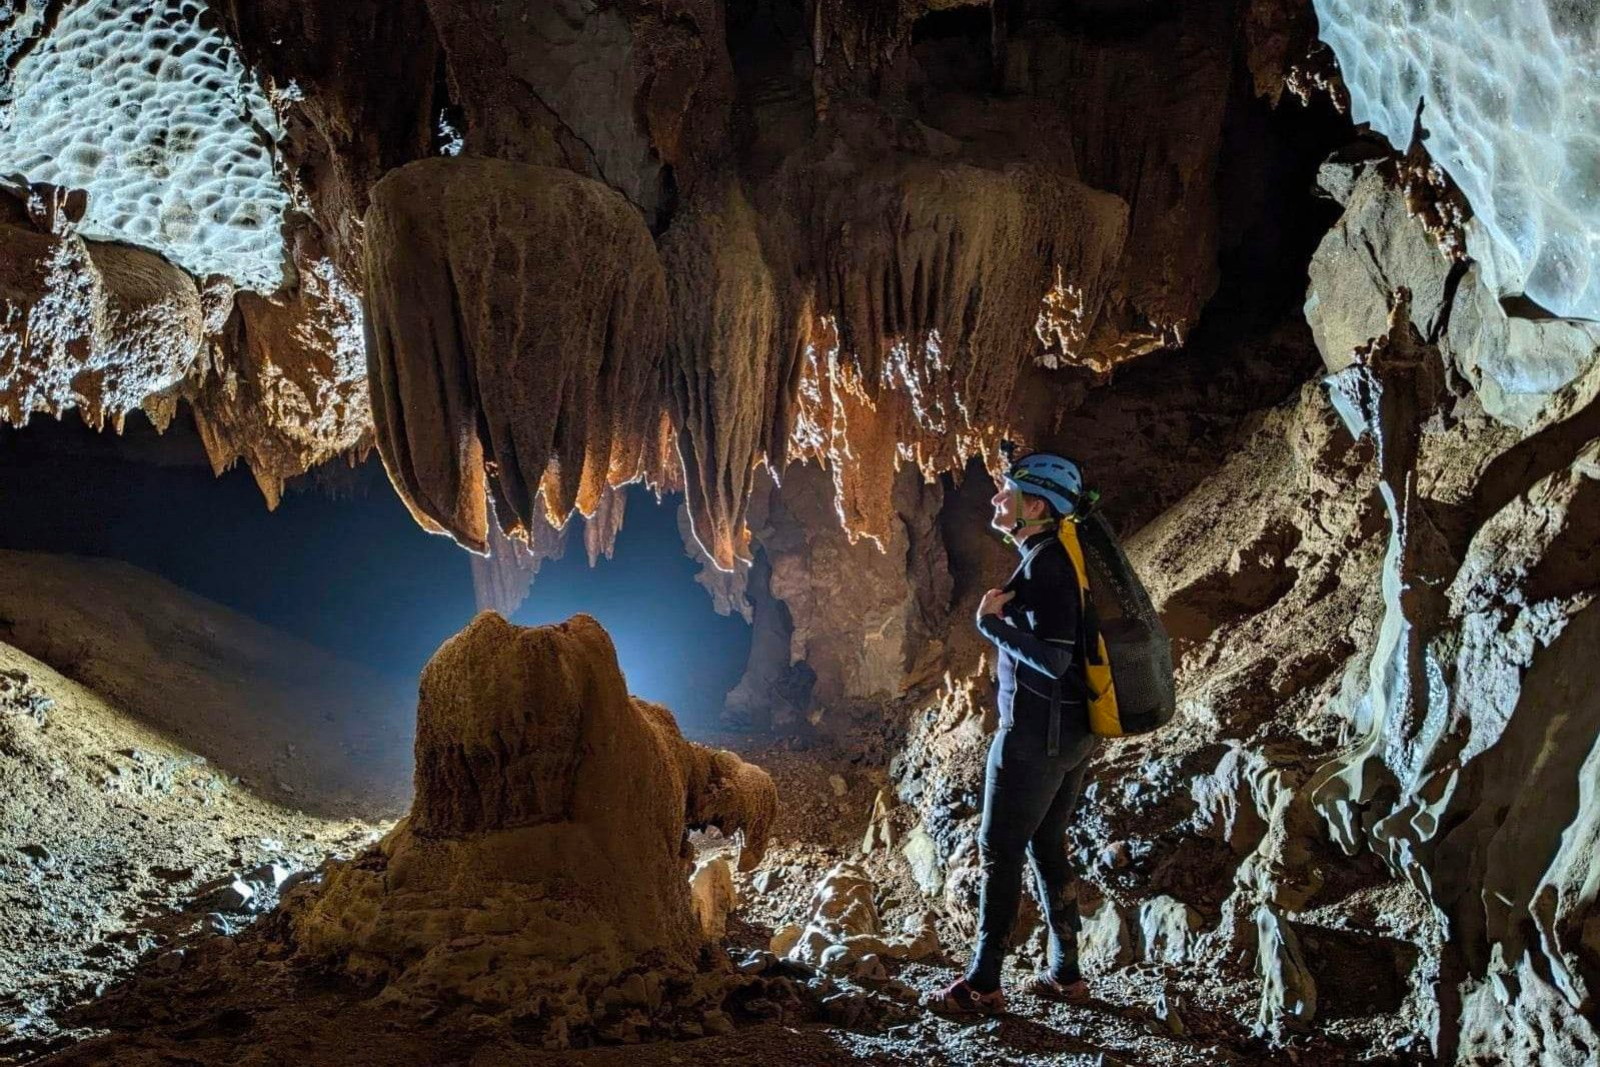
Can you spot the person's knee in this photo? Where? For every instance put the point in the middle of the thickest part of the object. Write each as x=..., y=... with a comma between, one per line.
x=1052, y=860
x=997, y=848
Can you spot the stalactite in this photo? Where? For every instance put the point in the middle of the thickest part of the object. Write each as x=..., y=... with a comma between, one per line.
x=284, y=385
x=601, y=528
x=929, y=288
x=515, y=331
x=722, y=366
x=503, y=578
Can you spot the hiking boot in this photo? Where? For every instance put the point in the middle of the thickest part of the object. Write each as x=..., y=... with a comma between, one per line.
x=1049, y=987
x=959, y=998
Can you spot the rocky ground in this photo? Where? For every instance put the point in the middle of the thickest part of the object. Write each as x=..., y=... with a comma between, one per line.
x=119, y=846
x=218, y=994
x=147, y=926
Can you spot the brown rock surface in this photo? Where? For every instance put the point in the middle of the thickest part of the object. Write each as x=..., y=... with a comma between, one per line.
x=100, y=327
x=545, y=853
x=355, y=83
x=514, y=337
x=285, y=388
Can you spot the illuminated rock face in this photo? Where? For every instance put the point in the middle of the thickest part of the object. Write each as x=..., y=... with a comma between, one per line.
x=285, y=387
x=157, y=118
x=517, y=315
x=104, y=328
x=108, y=329
x=928, y=287
x=1471, y=707
x=860, y=284
x=1507, y=98
x=545, y=852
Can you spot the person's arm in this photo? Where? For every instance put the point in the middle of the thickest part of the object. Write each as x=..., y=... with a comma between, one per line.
x=1046, y=657
x=1051, y=593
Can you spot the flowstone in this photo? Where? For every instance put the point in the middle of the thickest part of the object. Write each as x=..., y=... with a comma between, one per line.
x=1505, y=95
x=544, y=860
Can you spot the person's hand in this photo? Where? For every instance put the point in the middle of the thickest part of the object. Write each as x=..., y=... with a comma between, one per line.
x=993, y=601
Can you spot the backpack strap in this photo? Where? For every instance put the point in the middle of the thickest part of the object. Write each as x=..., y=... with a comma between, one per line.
x=1088, y=638
x=1081, y=685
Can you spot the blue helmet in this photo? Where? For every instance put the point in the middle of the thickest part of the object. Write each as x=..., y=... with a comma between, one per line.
x=1045, y=474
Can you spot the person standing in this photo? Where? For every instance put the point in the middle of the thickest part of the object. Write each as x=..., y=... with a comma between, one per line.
x=1038, y=757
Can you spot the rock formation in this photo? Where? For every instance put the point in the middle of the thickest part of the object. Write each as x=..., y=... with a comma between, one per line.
x=544, y=859
x=1483, y=103
x=105, y=328
x=1486, y=461
x=515, y=330
x=807, y=262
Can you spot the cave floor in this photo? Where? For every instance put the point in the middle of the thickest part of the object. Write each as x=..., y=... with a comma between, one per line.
x=160, y=984
x=120, y=844
x=191, y=994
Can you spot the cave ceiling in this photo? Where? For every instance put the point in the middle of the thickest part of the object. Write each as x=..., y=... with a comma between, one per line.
x=568, y=246
x=536, y=252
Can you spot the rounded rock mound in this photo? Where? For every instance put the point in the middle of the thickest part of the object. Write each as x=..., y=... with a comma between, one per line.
x=544, y=863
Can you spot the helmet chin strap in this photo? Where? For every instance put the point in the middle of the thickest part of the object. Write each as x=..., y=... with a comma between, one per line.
x=1021, y=523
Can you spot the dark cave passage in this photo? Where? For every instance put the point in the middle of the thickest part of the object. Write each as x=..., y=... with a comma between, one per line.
x=341, y=565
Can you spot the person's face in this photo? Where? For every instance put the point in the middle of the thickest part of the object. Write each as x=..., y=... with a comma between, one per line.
x=1004, y=503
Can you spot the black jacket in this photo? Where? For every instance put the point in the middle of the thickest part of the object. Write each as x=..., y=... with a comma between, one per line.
x=1039, y=639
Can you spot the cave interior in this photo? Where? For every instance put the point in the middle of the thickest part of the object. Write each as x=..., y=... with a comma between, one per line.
x=494, y=497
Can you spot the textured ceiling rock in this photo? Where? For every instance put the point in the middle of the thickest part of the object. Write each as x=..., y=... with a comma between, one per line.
x=545, y=853
x=286, y=385
x=872, y=217
x=516, y=322
x=1505, y=98
x=541, y=83
x=150, y=109
x=278, y=381
x=1140, y=105
x=98, y=327
x=355, y=85
x=924, y=309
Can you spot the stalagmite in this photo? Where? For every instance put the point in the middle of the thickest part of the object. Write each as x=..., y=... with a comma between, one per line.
x=545, y=854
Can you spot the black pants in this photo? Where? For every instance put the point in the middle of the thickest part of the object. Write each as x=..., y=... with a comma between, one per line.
x=1028, y=799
